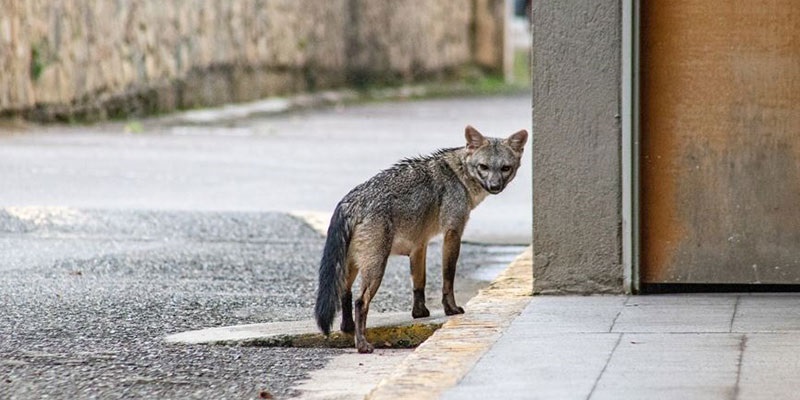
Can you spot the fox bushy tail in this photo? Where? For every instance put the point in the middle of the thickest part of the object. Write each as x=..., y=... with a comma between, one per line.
x=332, y=271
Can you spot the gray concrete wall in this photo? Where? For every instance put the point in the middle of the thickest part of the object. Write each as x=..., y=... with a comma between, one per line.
x=95, y=58
x=576, y=146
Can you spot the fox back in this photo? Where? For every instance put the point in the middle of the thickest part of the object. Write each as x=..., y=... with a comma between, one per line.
x=416, y=193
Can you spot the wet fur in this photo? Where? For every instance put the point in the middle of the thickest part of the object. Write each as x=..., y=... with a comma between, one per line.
x=397, y=212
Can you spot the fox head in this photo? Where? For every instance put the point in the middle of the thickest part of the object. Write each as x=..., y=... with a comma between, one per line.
x=493, y=162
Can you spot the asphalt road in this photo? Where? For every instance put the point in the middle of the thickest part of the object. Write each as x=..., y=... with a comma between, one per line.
x=183, y=226
x=300, y=161
x=87, y=297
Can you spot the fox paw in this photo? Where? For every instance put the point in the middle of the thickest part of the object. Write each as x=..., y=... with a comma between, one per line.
x=348, y=327
x=420, y=312
x=453, y=310
x=365, y=348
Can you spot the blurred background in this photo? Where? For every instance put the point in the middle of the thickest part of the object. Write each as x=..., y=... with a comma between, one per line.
x=66, y=60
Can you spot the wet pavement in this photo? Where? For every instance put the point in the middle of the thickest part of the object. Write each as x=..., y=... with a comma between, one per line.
x=115, y=235
x=88, y=296
x=305, y=160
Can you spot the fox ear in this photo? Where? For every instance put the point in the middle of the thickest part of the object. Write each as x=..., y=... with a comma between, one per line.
x=474, y=138
x=517, y=141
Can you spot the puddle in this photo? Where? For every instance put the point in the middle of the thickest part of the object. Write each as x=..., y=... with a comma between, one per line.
x=497, y=260
x=488, y=273
x=382, y=337
x=390, y=330
x=512, y=250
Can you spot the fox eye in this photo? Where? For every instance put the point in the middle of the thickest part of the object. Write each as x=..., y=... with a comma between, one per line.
x=505, y=168
x=483, y=167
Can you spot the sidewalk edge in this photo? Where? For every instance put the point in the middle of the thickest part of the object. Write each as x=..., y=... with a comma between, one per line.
x=441, y=361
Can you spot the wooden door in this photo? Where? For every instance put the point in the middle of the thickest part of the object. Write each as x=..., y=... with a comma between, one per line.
x=720, y=141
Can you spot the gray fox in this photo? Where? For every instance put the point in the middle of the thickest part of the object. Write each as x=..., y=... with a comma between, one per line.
x=397, y=212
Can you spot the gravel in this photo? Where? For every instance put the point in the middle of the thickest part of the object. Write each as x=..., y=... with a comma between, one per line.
x=88, y=295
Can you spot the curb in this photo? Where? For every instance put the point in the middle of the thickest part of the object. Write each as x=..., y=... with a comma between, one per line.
x=387, y=330
x=317, y=220
x=302, y=101
x=451, y=352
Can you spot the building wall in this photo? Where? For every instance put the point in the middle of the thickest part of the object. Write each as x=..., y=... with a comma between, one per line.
x=576, y=146
x=97, y=58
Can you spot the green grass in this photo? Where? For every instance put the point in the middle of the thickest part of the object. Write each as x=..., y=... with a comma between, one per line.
x=37, y=63
x=521, y=69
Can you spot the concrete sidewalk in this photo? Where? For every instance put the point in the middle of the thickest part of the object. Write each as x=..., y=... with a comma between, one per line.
x=731, y=346
x=688, y=346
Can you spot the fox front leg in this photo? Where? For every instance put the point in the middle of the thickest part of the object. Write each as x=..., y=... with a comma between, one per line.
x=450, y=251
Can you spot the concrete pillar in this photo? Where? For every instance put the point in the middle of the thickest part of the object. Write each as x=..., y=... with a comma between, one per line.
x=576, y=146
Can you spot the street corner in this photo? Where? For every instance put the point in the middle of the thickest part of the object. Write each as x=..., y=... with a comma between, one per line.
x=517, y=279
x=441, y=361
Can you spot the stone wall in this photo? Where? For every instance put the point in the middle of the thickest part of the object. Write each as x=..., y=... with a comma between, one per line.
x=93, y=59
x=408, y=38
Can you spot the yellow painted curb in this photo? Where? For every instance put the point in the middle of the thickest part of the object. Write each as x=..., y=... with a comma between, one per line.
x=442, y=360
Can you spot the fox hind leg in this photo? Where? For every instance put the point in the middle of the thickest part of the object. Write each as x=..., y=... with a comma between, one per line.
x=371, y=276
x=370, y=251
x=348, y=326
x=417, y=259
x=370, y=281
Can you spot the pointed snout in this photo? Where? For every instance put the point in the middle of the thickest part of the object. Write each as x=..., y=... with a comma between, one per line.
x=495, y=188
x=494, y=184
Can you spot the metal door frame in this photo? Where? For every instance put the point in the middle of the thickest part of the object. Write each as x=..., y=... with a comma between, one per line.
x=630, y=145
